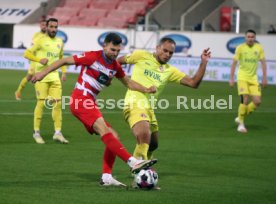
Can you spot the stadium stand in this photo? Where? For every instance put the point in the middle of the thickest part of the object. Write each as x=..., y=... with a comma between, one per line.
x=101, y=13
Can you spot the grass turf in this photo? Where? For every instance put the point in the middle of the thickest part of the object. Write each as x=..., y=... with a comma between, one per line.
x=202, y=159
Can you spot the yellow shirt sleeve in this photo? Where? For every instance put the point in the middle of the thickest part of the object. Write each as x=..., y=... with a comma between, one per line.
x=135, y=56
x=30, y=56
x=262, y=55
x=176, y=75
x=30, y=52
x=237, y=53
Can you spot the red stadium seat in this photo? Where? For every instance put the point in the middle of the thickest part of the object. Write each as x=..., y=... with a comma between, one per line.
x=65, y=11
x=111, y=23
x=82, y=21
x=139, y=7
x=124, y=15
x=108, y=5
x=93, y=12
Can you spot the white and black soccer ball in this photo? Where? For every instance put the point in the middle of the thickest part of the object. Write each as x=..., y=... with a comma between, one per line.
x=146, y=179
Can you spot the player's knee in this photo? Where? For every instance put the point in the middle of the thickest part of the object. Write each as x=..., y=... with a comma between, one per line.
x=257, y=102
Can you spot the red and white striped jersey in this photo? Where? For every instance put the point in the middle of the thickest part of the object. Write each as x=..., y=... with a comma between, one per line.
x=96, y=72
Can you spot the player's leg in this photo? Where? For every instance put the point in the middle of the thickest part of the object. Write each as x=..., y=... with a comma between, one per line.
x=243, y=91
x=108, y=163
x=41, y=89
x=142, y=133
x=139, y=121
x=55, y=93
x=23, y=83
x=154, y=134
x=255, y=92
x=153, y=144
x=114, y=145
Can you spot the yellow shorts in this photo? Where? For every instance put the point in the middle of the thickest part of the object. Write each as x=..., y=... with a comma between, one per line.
x=248, y=88
x=135, y=115
x=50, y=90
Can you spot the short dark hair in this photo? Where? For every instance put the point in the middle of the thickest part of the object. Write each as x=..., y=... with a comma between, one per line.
x=114, y=38
x=250, y=31
x=51, y=19
x=165, y=39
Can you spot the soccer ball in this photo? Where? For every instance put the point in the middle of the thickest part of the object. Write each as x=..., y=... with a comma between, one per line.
x=146, y=179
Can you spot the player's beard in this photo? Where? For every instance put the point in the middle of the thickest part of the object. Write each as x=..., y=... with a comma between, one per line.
x=52, y=34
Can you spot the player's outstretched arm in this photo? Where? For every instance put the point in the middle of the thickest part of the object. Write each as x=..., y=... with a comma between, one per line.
x=194, y=81
x=57, y=64
x=232, y=73
x=121, y=60
x=136, y=86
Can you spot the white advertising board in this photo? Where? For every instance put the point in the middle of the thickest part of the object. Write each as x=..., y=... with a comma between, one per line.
x=188, y=43
x=218, y=68
x=14, y=12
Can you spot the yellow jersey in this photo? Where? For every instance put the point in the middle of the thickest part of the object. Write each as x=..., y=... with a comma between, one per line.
x=248, y=58
x=148, y=72
x=35, y=38
x=50, y=48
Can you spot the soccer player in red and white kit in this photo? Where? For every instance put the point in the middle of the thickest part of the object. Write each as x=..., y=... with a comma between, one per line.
x=98, y=69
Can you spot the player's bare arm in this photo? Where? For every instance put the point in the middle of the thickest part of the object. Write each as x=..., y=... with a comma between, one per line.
x=232, y=73
x=57, y=64
x=121, y=60
x=136, y=86
x=194, y=81
x=264, y=80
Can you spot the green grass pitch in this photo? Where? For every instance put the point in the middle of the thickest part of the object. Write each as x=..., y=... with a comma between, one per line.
x=201, y=157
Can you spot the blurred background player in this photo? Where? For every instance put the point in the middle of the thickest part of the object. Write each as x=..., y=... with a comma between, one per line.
x=98, y=69
x=45, y=51
x=152, y=68
x=30, y=73
x=248, y=54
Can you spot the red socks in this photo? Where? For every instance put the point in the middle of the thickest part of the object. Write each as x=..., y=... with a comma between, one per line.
x=113, y=148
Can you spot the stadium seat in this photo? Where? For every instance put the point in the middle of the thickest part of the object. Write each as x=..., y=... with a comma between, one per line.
x=82, y=21
x=93, y=12
x=139, y=7
x=65, y=11
x=124, y=15
x=108, y=5
x=111, y=23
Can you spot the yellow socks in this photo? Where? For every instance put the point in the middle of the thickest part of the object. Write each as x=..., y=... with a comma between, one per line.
x=242, y=112
x=38, y=114
x=22, y=84
x=141, y=151
x=56, y=115
x=251, y=107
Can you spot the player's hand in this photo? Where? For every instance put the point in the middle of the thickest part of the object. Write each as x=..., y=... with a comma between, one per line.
x=231, y=83
x=63, y=77
x=264, y=83
x=206, y=55
x=43, y=61
x=38, y=77
x=152, y=89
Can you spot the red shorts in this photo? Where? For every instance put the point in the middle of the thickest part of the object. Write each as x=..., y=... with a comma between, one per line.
x=85, y=109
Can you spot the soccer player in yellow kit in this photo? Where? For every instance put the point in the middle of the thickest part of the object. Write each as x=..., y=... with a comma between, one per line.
x=45, y=51
x=248, y=54
x=153, y=69
x=30, y=73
